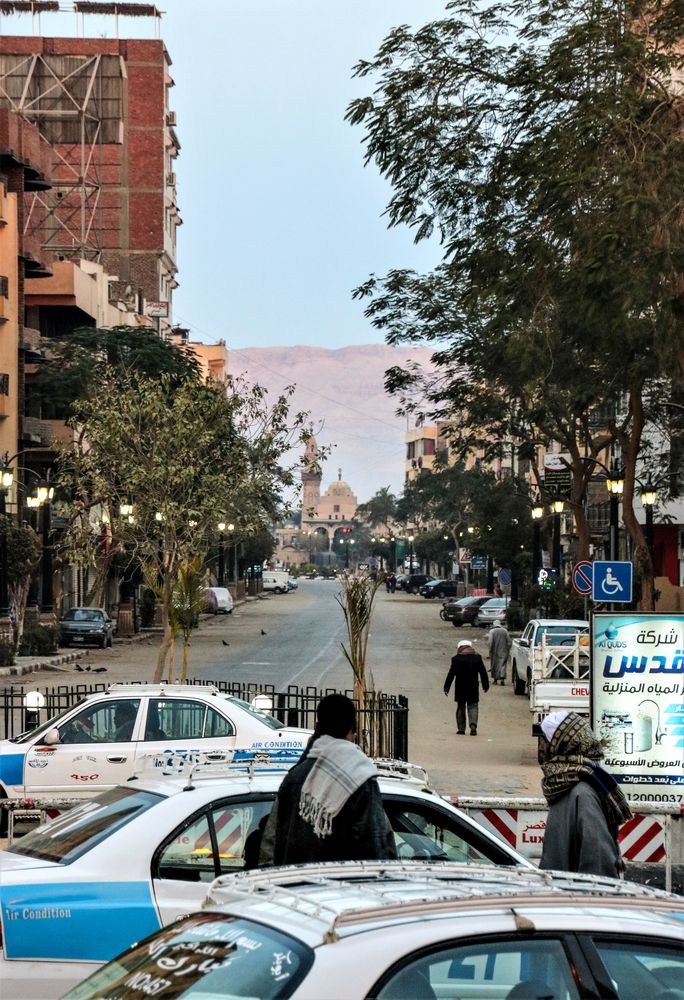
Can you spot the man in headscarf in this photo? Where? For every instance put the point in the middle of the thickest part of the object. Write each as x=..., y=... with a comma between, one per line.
x=586, y=804
x=329, y=806
x=500, y=643
x=466, y=670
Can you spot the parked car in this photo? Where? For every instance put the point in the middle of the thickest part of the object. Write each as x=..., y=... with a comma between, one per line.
x=292, y=583
x=98, y=743
x=120, y=866
x=224, y=600
x=275, y=580
x=418, y=932
x=83, y=626
x=464, y=610
x=491, y=611
x=399, y=580
x=439, y=588
x=415, y=581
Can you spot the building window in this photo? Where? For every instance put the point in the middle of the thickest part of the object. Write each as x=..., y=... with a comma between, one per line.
x=4, y=286
x=4, y=384
x=428, y=446
x=336, y=507
x=411, y=449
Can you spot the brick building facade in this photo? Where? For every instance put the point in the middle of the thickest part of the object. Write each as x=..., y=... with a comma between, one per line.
x=102, y=104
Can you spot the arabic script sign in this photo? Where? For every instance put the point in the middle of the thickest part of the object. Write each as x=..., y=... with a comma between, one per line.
x=638, y=701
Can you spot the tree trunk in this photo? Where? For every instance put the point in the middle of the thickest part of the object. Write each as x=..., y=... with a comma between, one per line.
x=167, y=640
x=170, y=658
x=184, y=669
x=18, y=594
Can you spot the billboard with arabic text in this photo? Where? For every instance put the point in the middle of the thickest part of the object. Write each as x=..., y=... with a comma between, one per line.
x=637, y=701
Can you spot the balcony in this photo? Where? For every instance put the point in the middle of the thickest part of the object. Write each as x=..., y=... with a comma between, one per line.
x=37, y=433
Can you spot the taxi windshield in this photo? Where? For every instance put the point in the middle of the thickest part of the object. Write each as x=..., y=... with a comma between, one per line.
x=51, y=723
x=268, y=720
x=79, y=829
x=203, y=957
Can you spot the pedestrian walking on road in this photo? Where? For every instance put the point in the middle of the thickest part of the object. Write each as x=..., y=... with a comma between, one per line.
x=467, y=671
x=329, y=806
x=586, y=804
x=499, y=642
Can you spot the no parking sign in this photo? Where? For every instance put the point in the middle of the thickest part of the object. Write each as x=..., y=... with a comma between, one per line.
x=583, y=577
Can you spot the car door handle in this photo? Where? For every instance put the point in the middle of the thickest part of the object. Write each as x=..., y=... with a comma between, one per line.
x=115, y=758
x=217, y=755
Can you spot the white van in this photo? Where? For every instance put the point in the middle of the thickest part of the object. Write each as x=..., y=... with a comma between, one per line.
x=275, y=580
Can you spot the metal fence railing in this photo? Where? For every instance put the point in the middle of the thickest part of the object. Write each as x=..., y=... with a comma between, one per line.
x=382, y=720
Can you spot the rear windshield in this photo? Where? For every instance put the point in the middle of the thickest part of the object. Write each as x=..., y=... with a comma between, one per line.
x=268, y=720
x=495, y=602
x=562, y=631
x=203, y=957
x=79, y=829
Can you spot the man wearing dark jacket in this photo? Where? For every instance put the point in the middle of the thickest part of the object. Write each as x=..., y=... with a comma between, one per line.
x=467, y=669
x=329, y=806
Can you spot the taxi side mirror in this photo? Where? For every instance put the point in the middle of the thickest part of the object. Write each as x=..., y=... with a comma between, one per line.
x=51, y=738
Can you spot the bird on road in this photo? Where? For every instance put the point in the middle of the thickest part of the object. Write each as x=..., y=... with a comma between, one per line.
x=225, y=643
x=264, y=633
x=100, y=670
x=80, y=669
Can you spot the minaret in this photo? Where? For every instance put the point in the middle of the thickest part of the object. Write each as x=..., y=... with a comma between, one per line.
x=311, y=480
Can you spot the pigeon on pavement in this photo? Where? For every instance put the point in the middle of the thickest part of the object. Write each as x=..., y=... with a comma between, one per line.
x=225, y=643
x=264, y=633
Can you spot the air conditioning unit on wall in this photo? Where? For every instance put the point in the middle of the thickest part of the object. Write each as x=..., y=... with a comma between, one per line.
x=171, y=118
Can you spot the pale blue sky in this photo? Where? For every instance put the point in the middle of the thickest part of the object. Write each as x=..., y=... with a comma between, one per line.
x=281, y=220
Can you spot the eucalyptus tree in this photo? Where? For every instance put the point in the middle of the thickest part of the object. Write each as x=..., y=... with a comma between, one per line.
x=540, y=141
x=161, y=463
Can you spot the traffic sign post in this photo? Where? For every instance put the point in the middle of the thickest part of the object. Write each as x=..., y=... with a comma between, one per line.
x=612, y=582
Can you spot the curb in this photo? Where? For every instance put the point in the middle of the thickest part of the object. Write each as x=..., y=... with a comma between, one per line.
x=49, y=663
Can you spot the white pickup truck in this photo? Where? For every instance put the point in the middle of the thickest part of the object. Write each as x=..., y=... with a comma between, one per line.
x=550, y=663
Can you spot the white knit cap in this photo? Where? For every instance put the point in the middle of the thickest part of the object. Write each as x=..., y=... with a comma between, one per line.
x=551, y=723
x=463, y=643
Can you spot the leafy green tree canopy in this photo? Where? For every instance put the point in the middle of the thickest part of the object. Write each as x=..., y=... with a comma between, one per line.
x=75, y=364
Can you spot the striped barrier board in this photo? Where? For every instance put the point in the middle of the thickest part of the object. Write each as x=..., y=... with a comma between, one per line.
x=642, y=838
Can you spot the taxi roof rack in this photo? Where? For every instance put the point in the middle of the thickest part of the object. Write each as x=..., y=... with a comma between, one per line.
x=250, y=761
x=144, y=687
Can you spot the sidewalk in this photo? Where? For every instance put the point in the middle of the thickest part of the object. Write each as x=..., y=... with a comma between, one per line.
x=55, y=661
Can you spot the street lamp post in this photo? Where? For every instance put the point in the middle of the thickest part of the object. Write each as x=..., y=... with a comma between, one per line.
x=557, y=508
x=221, y=564
x=44, y=494
x=648, y=499
x=410, y=541
x=537, y=514
x=615, y=486
x=6, y=480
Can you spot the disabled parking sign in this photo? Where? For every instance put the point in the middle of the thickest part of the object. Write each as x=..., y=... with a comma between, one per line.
x=612, y=582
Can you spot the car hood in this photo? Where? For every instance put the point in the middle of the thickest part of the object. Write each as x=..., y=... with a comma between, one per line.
x=10, y=862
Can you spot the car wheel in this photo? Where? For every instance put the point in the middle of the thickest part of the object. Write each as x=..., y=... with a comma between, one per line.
x=103, y=642
x=456, y=624
x=518, y=685
x=279, y=590
x=528, y=686
x=414, y=590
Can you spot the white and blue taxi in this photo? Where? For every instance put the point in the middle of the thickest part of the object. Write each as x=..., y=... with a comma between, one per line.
x=98, y=743
x=77, y=891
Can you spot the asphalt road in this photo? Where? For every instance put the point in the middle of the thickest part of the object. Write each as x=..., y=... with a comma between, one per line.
x=296, y=639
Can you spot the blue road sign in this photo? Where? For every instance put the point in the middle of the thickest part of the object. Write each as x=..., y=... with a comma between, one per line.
x=613, y=582
x=478, y=562
x=505, y=577
x=582, y=577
